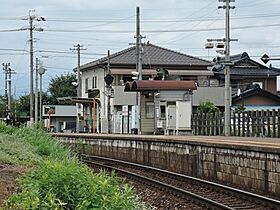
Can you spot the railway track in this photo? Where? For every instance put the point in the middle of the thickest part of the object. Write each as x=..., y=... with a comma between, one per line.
x=206, y=194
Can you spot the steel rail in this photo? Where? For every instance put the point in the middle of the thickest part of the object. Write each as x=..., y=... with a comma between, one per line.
x=273, y=203
x=196, y=198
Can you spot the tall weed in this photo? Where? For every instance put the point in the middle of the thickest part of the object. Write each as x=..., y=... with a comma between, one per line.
x=59, y=180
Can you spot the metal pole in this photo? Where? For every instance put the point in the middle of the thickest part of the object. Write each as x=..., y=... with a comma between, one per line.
x=6, y=78
x=78, y=88
x=41, y=97
x=79, y=93
x=31, y=69
x=9, y=89
x=109, y=117
x=36, y=91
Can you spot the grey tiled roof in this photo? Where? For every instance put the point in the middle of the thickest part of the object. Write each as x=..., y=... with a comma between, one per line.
x=152, y=55
x=252, y=72
x=243, y=65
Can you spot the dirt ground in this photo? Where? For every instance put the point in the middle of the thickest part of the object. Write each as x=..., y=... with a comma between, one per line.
x=8, y=180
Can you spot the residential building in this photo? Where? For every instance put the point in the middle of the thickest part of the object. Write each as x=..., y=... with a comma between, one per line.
x=158, y=64
x=245, y=72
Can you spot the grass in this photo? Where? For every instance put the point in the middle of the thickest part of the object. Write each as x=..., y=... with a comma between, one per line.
x=57, y=179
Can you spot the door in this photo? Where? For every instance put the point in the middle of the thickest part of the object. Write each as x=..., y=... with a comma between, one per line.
x=171, y=117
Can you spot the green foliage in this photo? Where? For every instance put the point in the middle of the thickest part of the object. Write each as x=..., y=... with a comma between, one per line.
x=3, y=106
x=59, y=180
x=68, y=185
x=240, y=108
x=44, y=144
x=61, y=86
x=14, y=150
x=22, y=105
x=207, y=107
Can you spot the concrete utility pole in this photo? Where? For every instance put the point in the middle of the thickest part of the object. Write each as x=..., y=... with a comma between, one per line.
x=227, y=7
x=78, y=48
x=36, y=90
x=138, y=66
x=31, y=18
x=10, y=72
x=8, y=84
x=5, y=69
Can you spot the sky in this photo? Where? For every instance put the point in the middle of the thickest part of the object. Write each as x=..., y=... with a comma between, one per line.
x=180, y=25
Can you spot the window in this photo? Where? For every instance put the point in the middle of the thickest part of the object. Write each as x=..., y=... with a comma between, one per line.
x=127, y=78
x=94, y=83
x=150, y=110
x=86, y=85
x=162, y=111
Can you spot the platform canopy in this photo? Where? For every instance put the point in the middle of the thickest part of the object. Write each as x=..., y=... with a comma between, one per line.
x=154, y=85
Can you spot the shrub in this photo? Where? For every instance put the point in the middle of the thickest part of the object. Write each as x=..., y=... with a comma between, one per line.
x=59, y=180
x=68, y=185
x=207, y=107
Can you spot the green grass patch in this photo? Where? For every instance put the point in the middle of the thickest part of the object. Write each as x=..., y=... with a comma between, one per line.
x=59, y=180
x=14, y=150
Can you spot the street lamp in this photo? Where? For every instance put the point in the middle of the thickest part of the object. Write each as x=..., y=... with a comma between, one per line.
x=41, y=71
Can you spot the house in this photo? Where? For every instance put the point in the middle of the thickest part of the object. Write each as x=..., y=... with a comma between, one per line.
x=158, y=63
x=245, y=72
x=254, y=98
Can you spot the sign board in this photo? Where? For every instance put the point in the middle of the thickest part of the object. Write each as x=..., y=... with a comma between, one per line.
x=265, y=58
x=93, y=93
x=159, y=124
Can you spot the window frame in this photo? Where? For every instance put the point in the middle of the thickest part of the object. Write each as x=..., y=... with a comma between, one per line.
x=149, y=114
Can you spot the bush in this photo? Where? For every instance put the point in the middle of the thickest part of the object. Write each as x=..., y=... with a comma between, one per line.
x=207, y=107
x=59, y=180
x=69, y=185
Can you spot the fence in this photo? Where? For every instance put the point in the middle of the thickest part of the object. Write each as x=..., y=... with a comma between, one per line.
x=247, y=123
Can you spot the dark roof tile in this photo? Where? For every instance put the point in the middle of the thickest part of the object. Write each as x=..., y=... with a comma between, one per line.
x=152, y=55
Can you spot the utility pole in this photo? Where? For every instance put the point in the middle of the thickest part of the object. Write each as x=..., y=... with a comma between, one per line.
x=10, y=72
x=5, y=69
x=138, y=66
x=78, y=48
x=8, y=84
x=227, y=7
x=36, y=90
x=31, y=18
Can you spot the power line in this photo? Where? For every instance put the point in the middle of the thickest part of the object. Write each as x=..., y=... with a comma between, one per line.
x=164, y=31
x=163, y=20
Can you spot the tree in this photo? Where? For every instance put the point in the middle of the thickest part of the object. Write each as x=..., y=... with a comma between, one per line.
x=207, y=107
x=3, y=106
x=61, y=86
x=22, y=105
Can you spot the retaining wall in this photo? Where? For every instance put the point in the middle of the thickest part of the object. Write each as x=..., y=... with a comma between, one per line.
x=251, y=168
